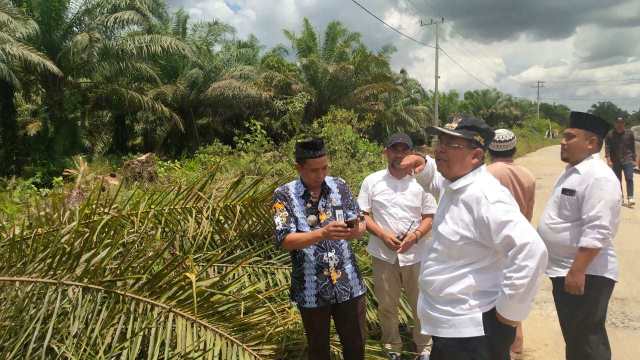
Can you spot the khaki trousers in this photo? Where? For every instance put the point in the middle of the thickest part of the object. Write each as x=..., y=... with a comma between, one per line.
x=388, y=281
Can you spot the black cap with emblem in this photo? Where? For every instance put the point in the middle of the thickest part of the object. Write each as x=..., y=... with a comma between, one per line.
x=589, y=122
x=310, y=149
x=469, y=128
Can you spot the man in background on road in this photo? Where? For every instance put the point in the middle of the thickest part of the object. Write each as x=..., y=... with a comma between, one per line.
x=522, y=185
x=315, y=217
x=398, y=214
x=620, y=151
x=481, y=273
x=578, y=226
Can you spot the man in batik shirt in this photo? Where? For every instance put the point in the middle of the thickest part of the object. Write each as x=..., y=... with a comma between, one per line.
x=315, y=217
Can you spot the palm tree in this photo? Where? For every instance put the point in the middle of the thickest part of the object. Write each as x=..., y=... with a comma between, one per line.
x=496, y=108
x=121, y=68
x=16, y=59
x=80, y=37
x=326, y=71
x=215, y=92
x=171, y=286
x=341, y=71
x=396, y=105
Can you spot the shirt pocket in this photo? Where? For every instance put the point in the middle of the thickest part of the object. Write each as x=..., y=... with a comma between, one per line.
x=568, y=207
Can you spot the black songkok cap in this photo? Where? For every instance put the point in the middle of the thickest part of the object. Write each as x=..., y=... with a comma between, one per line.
x=469, y=128
x=310, y=149
x=589, y=122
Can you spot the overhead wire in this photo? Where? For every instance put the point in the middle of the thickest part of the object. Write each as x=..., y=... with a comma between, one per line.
x=391, y=27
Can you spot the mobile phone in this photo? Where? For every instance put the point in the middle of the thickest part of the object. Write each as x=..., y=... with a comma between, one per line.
x=351, y=223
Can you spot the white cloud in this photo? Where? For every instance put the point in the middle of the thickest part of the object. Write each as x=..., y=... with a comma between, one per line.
x=602, y=45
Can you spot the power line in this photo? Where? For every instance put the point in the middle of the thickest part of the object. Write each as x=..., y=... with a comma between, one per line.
x=604, y=98
x=464, y=69
x=468, y=52
x=594, y=81
x=391, y=27
x=451, y=58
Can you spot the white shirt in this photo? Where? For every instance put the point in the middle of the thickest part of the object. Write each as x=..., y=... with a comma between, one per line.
x=583, y=211
x=395, y=204
x=484, y=254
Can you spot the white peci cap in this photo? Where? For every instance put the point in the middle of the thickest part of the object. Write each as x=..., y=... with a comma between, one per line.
x=504, y=140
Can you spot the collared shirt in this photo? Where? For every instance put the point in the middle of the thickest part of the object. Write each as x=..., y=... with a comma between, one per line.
x=519, y=181
x=395, y=204
x=484, y=254
x=583, y=211
x=621, y=147
x=324, y=273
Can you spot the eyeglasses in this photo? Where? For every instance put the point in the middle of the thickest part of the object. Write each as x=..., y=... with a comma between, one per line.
x=453, y=146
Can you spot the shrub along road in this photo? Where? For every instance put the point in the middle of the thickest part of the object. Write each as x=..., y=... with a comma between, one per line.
x=543, y=339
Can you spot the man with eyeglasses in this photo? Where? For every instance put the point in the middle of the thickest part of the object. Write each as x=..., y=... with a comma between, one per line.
x=480, y=275
x=398, y=214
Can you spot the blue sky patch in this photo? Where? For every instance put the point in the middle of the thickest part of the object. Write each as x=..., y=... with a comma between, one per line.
x=233, y=6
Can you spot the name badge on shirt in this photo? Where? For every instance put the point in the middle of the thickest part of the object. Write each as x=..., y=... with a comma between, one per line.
x=568, y=192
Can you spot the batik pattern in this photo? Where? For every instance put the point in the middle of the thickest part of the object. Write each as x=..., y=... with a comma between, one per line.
x=324, y=273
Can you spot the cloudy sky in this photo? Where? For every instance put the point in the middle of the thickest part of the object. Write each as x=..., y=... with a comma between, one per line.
x=584, y=50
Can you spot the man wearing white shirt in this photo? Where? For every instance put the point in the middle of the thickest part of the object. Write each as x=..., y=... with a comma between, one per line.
x=578, y=226
x=398, y=213
x=482, y=269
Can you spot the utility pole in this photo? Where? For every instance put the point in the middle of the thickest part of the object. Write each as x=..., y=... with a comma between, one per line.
x=538, y=86
x=435, y=23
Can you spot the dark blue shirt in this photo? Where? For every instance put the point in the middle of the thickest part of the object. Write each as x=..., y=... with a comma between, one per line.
x=324, y=273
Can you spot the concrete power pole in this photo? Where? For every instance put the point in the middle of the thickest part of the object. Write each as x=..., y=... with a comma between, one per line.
x=435, y=23
x=538, y=86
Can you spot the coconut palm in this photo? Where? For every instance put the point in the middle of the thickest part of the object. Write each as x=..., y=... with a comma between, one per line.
x=17, y=59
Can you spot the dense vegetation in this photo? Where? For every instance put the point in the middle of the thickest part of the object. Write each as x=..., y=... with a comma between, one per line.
x=115, y=77
x=184, y=266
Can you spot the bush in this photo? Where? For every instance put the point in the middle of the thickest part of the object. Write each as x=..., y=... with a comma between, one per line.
x=531, y=135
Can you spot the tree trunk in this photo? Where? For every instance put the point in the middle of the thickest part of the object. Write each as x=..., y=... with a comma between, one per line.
x=120, y=134
x=192, y=136
x=8, y=130
x=66, y=133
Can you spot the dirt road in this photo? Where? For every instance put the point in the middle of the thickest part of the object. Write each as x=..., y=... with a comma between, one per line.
x=543, y=339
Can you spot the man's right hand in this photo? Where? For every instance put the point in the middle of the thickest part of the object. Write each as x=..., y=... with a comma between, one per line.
x=413, y=164
x=609, y=162
x=391, y=241
x=335, y=231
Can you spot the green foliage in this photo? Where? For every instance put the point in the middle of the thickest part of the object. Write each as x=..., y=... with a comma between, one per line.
x=352, y=157
x=531, y=134
x=608, y=111
x=149, y=274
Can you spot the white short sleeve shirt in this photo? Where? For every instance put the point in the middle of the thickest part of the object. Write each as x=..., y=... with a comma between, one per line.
x=395, y=204
x=583, y=211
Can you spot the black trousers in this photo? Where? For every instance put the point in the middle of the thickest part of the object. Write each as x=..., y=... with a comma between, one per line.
x=582, y=318
x=349, y=318
x=494, y=345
